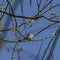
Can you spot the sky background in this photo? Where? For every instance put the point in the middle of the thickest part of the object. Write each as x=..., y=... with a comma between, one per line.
x=29, y=49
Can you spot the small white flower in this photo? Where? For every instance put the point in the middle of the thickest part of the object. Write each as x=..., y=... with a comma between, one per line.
x=51, y=13
x=53, y=34
x=29, y=36
x=32, y=21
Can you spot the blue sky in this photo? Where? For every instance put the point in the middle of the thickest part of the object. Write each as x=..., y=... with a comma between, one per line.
x=29, y=49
